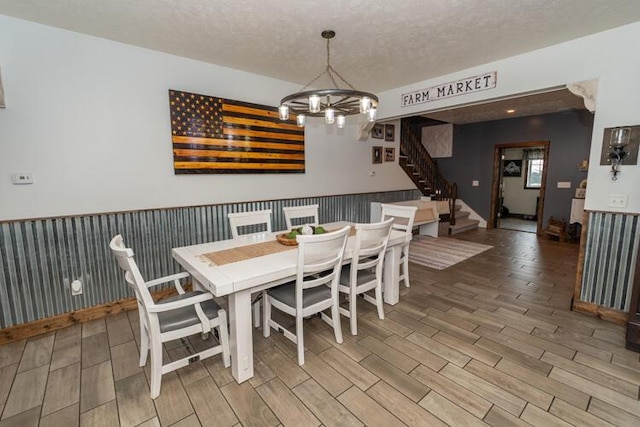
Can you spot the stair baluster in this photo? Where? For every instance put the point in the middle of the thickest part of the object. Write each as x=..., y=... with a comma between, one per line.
x=423, y=169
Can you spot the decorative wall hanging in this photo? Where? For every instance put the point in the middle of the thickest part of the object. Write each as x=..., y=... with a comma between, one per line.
x=222, y=136
x=389, y=133
x=438, y=140
x=376, y=155
x=511, y=168
x=447, y=90
x=389, y=154
x=378, y=131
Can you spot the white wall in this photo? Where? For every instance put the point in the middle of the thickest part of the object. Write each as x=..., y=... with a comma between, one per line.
x=611, y=57
x=89, y=118
x=518, y=199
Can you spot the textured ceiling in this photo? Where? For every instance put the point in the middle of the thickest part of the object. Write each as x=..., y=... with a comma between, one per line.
x=555, y=101
x=380, y=44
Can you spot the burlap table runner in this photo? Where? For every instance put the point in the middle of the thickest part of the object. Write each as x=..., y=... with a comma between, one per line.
x=243, y=253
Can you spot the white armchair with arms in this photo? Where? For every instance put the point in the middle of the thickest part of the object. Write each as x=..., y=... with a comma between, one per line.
x=179, y=316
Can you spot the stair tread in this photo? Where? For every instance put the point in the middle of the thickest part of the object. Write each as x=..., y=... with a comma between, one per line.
x=463, y=222
x=462, y=215
x=463, y=225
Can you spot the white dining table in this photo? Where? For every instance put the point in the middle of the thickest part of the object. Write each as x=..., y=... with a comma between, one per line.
x=238, y=280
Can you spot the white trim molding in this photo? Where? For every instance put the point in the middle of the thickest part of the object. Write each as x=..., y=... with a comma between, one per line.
x=588, y=90
x=2, y=103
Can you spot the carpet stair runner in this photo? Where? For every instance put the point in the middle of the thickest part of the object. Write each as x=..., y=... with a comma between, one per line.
x=463, y=223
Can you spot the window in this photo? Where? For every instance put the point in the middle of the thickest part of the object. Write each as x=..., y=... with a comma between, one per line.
x=533, y=176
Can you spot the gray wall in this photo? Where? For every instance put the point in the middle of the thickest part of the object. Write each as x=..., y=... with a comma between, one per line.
x=569, y=134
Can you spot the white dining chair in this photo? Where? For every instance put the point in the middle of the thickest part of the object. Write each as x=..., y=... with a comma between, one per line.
x=365, y=271
x=304, y=213
x=255, y=222
x=259, y=222
x=404, y=217
x=175, y=317
x=314, y=290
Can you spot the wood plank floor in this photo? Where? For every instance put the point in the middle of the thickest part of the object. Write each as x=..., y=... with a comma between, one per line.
x=489, y=341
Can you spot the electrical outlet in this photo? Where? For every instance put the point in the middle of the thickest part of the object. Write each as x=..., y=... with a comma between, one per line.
x=475, y=183
x=76, y=287
x=618, y=200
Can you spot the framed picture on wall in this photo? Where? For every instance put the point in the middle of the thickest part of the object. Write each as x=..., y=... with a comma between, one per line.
x=389, y=132
x=377, y=132
x=376, y=155
x=511, y=168
x=389, y=154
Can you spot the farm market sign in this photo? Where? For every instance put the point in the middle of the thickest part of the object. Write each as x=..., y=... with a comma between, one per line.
x=448, y=90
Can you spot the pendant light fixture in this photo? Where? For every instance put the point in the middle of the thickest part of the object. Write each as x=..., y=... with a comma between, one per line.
x=333, y=104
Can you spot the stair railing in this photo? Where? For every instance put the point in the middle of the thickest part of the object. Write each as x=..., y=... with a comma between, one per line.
x=419, y=162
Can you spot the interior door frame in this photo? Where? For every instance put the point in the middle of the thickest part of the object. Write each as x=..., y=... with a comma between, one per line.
x=497, y=172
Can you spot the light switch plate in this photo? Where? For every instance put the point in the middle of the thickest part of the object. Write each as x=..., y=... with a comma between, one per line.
x=564, y=184
x=475, y=183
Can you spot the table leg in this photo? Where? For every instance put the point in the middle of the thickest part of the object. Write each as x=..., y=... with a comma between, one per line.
x=197, y=286
x=391, y=275
x=240, y=340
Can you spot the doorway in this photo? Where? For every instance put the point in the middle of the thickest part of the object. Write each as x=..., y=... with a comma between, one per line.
x=518, y=188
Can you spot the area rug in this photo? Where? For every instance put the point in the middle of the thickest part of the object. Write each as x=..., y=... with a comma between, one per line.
x=442, y=252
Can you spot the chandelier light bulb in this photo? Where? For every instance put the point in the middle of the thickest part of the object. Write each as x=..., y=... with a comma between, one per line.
x=329, y=116
x=314, y=104
x=300, y=119
x=372, y=113
x=284, y=112
x=340, y=121
x=365, y=105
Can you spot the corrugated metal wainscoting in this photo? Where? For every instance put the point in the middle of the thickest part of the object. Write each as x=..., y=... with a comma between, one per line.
x=610, y=256
x=39, y=258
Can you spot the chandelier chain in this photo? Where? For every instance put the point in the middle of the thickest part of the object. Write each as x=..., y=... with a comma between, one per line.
x=329, y=71
x=328, y=68
x=333, y=103
x=341, y=78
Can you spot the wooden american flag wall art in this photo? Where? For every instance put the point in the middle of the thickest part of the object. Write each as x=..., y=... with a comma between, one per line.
x=222, y=136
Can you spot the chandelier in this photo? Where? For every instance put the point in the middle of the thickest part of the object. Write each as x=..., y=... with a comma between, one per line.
x=333, y=104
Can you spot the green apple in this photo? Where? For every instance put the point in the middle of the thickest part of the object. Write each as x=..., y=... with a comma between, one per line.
x=292, y=234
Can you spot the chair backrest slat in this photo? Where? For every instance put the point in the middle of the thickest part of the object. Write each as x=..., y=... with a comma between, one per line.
x=322, y=255
x=301, y=212
x=246, y=219
x=370, y=247
x=403, y=216
x=134, y=278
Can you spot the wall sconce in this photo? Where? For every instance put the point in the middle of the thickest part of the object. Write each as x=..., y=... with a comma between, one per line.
x=618, y=143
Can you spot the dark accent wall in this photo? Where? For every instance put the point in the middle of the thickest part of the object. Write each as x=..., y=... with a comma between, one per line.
x=569, y=134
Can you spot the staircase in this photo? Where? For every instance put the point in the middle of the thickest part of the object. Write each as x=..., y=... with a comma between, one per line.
x=463, y=223
x=423, y=171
